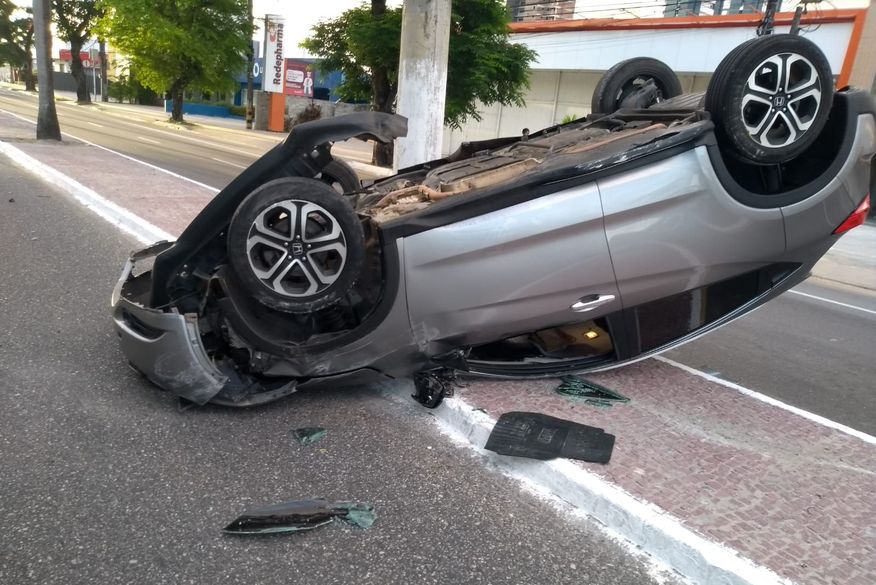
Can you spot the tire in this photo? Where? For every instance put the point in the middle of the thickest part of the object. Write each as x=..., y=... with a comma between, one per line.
x=758, y=116
x=296, y=272
x=618, y=83
x=340, y=176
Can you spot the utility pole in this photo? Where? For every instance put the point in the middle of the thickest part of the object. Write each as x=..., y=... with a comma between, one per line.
x=47, y=117
x=250, y=62
x=422, y=79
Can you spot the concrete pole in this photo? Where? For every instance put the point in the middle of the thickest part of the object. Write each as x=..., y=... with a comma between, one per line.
x=422, y=80
x=864, y=68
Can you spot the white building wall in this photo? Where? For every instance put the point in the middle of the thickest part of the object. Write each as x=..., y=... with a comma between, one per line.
x=570, y=65
x=693, y=50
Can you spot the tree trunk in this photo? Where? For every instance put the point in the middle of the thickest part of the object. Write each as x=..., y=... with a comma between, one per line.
x=176, y=94
x=78, y=72
x=27, y=71
x=381, y=90
x=47, y=117
x=104, y=82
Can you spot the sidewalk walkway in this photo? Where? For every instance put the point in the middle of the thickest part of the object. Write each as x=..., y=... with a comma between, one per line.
x=724, y=486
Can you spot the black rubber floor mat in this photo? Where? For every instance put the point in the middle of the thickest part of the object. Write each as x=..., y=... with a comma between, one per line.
x=539, y=436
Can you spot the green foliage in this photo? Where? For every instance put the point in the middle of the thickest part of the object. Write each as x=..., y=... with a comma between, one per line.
x=174, y=44
x=484, y=67
x=75, y=19
x=569, y=118
x=16, y=34
x=356, y=43
x=128, y=89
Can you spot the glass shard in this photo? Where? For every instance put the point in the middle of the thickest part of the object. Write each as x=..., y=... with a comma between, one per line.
x=309, y=435
x=299, y=515
x=578, y=388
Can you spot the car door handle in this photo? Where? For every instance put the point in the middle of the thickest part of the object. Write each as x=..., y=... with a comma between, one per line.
x=590, y=302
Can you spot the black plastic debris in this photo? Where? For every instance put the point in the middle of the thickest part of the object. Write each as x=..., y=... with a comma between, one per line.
x=309, y=435
x=431, y=386
x=300, y=515
x=589, y=392
x=539, y=436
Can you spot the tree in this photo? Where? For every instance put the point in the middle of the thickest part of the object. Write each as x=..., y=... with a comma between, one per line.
x=175, y=44
x=16, y=41
x=47, y=117
x=484, y=66
x=75, y=20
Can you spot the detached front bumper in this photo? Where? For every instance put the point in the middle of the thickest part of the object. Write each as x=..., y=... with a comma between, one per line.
x=164, y=346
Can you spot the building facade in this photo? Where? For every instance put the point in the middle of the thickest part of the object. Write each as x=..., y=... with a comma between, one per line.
x=539, y=10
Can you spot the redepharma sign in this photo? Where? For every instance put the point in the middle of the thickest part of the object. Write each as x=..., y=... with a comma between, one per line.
x=274, y=62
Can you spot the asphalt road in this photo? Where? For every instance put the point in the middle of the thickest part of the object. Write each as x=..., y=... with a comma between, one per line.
x=812, y=354
x=808, y=352
x=103, y=479
x=209, y=154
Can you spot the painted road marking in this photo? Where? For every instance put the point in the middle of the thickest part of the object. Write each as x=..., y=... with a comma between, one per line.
x=115, y=152
x=96, y=124
x=833, y=302
x=149, y=140
x=225, y=162
x=816, y=418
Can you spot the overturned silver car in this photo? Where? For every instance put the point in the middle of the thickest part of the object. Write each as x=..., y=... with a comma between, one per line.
x=581, y=247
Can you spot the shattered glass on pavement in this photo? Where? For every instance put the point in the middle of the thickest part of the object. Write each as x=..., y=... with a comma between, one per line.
x=309, y=435
x=300, y=515
x=579, y=389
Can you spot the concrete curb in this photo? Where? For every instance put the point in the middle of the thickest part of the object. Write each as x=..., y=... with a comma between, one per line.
x=645, y=525
x=114, y=214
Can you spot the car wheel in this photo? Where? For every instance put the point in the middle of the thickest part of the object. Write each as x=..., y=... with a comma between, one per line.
x=634, y=83
x=770, y=98
x=296, y=245
x=340, y=176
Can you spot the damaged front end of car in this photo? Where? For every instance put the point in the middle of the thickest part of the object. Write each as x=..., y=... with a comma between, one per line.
x=189, y=326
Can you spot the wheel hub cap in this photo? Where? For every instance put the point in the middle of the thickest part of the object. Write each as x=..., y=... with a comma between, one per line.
x=780, y=100
x=296, y=248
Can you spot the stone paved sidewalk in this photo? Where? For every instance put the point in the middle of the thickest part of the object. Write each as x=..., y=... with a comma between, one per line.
x=794, y=496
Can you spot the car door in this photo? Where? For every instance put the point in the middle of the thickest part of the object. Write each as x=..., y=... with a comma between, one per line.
x=517, y=269
x=684, y=251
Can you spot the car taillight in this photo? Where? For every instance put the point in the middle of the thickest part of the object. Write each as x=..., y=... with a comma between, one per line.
x=856, y=218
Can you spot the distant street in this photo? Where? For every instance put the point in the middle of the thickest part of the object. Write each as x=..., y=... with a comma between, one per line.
x=212, y=155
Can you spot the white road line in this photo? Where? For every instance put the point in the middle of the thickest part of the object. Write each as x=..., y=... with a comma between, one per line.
x=833, y=302
x=215, y=145
x=125, y=156
x=117, y=215
x=816, y=418
x=96, y=124
x=225, y=162
x=149, y=140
